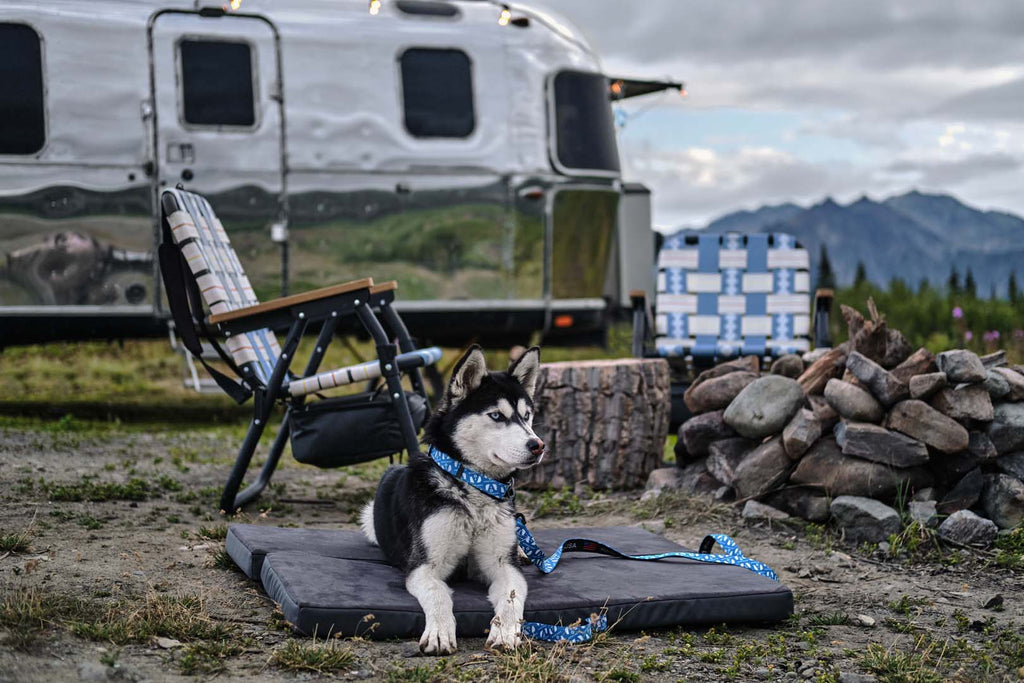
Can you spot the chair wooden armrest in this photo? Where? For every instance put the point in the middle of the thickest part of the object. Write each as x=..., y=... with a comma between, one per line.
x=290, y=301
x=389, y=286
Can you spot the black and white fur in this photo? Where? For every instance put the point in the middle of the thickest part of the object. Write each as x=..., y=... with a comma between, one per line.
x=429, y=524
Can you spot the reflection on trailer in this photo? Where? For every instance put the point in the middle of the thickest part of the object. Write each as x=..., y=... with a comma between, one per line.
x=466, y=150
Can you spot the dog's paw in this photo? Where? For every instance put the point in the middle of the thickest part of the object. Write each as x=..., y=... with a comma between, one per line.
x=502, y=636
x=438, y=638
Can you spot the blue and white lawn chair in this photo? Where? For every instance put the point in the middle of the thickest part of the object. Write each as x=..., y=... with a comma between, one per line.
x=209, y=294
x=724, y=296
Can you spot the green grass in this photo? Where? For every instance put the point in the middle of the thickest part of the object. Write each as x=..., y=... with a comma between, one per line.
x=180, y=617
x=16, y=542
x=1010, y=548
x=206, y=658
x=323, y=656
x=899, y=664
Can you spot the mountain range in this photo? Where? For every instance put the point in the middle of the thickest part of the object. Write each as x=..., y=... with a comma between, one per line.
x=914, y=236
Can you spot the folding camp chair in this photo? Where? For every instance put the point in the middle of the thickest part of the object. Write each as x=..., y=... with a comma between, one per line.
x=725, y=296
x=209, y=293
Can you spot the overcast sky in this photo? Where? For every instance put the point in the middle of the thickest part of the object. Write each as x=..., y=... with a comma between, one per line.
x=793, y=100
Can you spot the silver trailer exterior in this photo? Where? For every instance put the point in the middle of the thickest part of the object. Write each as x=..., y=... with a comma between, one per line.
x=467, y=153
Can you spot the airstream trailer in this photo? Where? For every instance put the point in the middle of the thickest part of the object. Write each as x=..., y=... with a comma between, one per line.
x=466, y=149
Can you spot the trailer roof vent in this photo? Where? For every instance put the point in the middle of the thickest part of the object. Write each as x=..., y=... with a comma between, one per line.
x=428, y=8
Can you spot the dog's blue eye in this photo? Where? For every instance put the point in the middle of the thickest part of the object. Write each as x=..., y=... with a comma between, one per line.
x=496, y=416
x=526, y=415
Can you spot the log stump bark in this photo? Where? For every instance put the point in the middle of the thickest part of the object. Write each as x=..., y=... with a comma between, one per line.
x=604, y=421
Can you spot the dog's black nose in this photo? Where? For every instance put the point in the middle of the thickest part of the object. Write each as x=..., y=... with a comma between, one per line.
x=536, y=446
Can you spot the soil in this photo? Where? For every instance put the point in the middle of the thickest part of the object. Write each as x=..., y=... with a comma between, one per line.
x=928, y=610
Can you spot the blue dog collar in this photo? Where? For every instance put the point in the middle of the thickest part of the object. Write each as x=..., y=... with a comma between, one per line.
x=481, y=482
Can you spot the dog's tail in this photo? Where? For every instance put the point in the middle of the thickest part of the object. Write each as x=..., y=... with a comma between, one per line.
x=366, y=522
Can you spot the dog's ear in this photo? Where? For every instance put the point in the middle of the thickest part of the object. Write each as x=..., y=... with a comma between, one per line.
x=467, y=375
x=526, y=368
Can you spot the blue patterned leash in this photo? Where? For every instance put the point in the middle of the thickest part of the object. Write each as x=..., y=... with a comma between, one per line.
x=582, y=633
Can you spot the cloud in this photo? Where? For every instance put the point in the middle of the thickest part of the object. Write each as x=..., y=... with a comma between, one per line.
x=946, y=173
x=996, y=102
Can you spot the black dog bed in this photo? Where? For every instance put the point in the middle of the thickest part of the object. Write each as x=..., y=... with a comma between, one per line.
x=331, y=582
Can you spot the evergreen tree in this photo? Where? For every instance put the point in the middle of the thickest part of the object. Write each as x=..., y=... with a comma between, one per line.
x=923, y=287
x=992, y=293
x=826, y=278
x=954, y=281
x=862, y=275
x=1011, y=287
x=970, y=286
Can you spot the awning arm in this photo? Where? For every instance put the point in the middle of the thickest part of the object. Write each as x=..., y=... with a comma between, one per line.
x=624, y=88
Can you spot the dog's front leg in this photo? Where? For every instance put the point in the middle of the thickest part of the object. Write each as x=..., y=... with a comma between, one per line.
x=507, y=593
x=435, y=598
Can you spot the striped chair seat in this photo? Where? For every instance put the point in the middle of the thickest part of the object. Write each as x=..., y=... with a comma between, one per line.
x=721, y=296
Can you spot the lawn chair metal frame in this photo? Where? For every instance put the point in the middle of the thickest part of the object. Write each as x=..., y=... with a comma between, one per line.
x=208, y=292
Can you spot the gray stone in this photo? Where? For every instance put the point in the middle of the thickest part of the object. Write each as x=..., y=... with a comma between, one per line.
x=1012, y=464
x=764, y=406
x=852, y=402
x=993, y=360
x=717, y=393
x=825, y=413
x=921, y=362
x=864, y=519
x=966, y=402
x=663, y=478
x=924, y=494
x=725, y=455
x=763, y=469
x=800, y=502
x=839, y=431
x=923, y=512
x=949, y=468
x=756, y=510
x=878, y=444
x=1007, y=428
x=825, y=468
x=923, y=386
x=682, y=455
x=966, y=528
x=724, y=494
x=789, y=365
x=849, y=677
x=964, y=495
x=699, y=432
x=802, y=431
x=980, y=446
x=996, y=385
x=882, y=384
x=1015, y=380
x=961, y=365
x=692, y=478
x=920, y=421
x=1003, y=500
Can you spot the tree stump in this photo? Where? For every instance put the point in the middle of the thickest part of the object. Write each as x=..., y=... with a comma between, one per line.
x=604, y=422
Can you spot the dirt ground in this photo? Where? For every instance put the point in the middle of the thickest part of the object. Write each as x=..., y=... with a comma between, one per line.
x=133, y=585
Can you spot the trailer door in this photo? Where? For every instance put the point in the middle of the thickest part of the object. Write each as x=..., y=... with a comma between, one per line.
x=218, y=126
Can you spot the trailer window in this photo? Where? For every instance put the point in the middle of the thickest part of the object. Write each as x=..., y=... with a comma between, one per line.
x=216, y=83
x=583, y=125
x=22, y=125
x=437, y=93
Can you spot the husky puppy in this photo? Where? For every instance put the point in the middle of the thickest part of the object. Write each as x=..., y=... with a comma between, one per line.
x=429, y=524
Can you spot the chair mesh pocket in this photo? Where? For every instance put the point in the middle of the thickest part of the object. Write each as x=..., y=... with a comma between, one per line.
x=346, y=430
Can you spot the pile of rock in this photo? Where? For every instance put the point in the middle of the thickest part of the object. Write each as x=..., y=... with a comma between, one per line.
x=854, y=431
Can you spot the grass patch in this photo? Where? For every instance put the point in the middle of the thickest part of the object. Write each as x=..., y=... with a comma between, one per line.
x=26, y=614
x=319, y=656
x=16, y=543
x=899, y=665
x=221, y=560
x=906, y=604
x=560, y=502
x=1010, y=548
x=93, y=491
x=207, y=658
x=836, y=618
x=180, y=617
x=218, y=532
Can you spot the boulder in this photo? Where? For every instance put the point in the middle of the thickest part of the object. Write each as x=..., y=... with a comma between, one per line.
x=1002, y=499
x=725, y=455
x=852, y=402
x=1014, y=380
x=920, y=362
x=966, y=402
x=718, y=392
x=996, y=385
x=961, y=365
x=949, y=468
x=924, y=494
x=682, y=455
x=882, y=384
x=663, y=478
x=763, y=469
x=1012, y=464
x=756, y=510
x=764, y=406
x=878, y=444
x=923, y=386
x=825, y=468
x=964, y=495
x=919, y=420
x=966, y=528
x=802, y=431
x=980, y=446
x=923, y=512
x=801, y=502
x=864, y=519
x=825, y=413
x=693, y=478
x=698, y=433
x=1007, y=427
x=993, y=360
x=789, y=365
